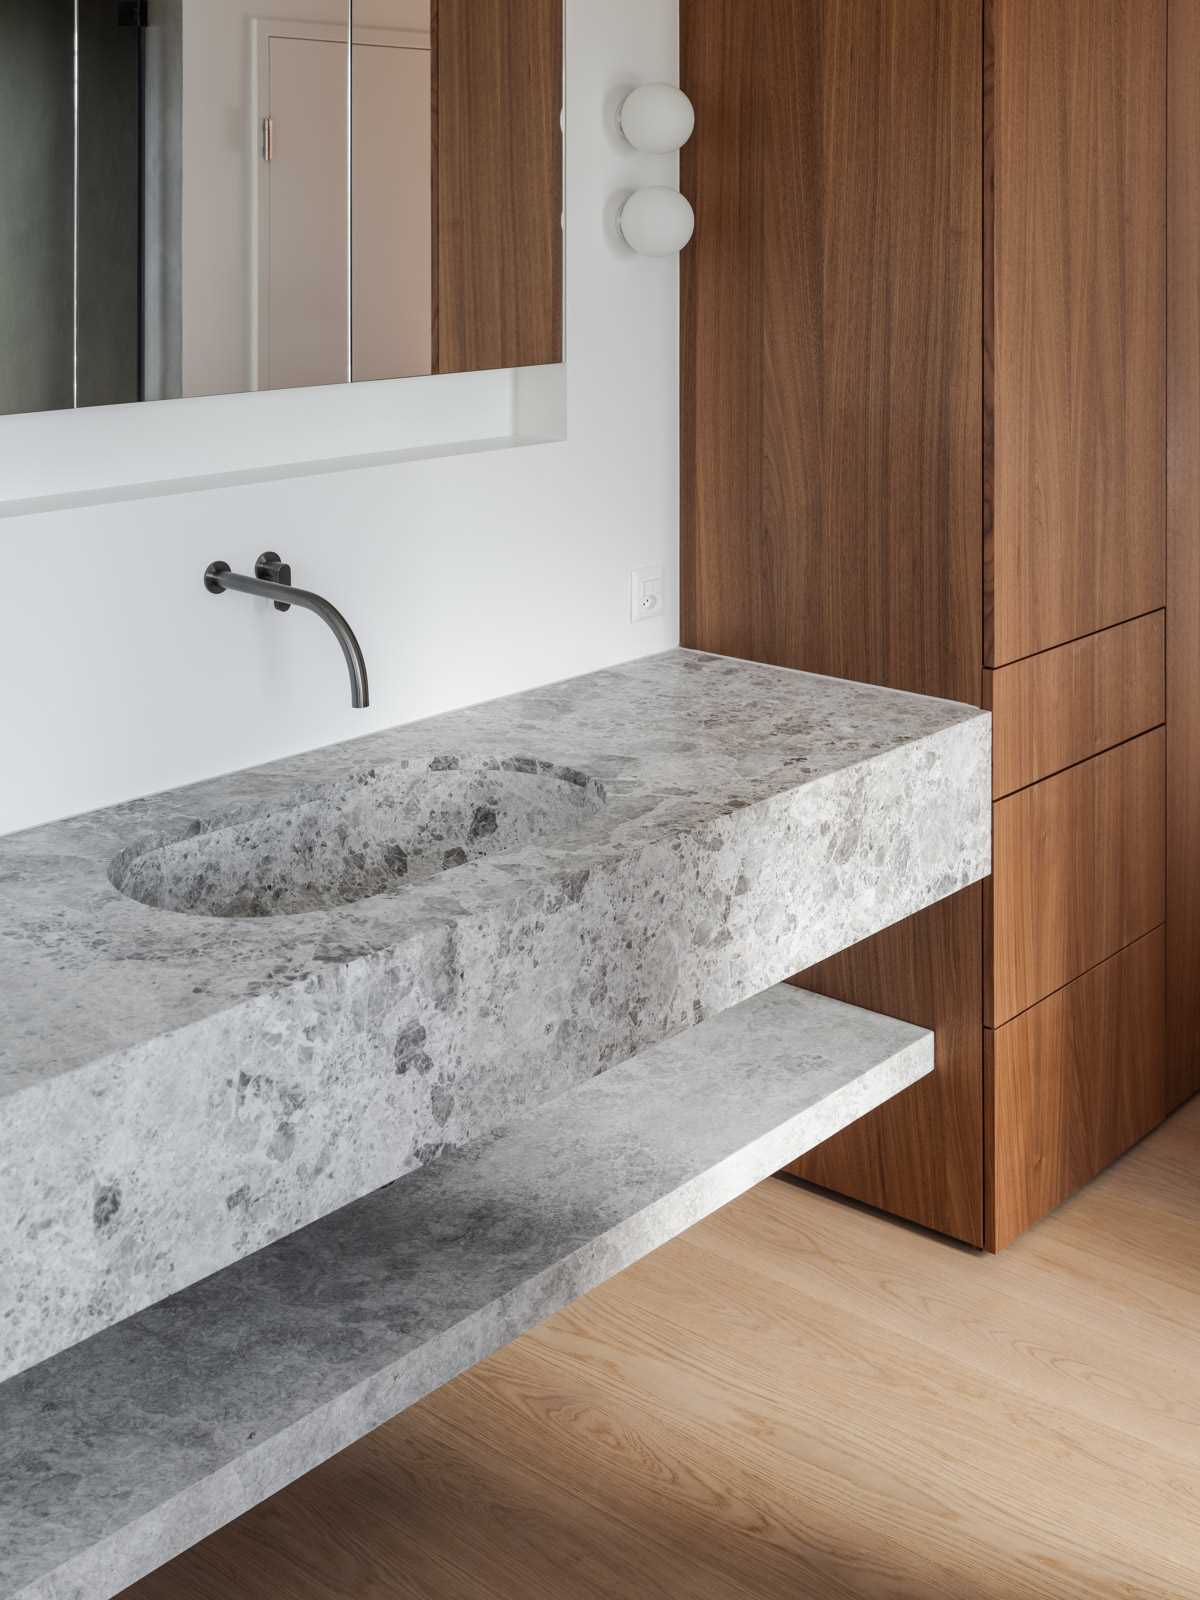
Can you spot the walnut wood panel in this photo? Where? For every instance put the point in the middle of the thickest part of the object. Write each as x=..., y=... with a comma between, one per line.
x=1076, y=324
x=498, y=183
x=1078, y=872
x=832, y=338
x=1183, y=556
x=832, y=479
x=1072, y=1084
x=917, y=1156
x=1062, y=706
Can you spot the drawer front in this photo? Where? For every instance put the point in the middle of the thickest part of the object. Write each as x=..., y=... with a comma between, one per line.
x=1065, y=705
x=1071, y=1084
x=1078, y=873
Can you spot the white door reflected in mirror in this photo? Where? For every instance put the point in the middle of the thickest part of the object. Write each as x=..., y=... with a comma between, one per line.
x=309, y=330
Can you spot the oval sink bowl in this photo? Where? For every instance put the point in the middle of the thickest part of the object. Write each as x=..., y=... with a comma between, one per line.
x=368, y=834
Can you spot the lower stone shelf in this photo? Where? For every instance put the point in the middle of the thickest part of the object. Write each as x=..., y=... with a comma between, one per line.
x=123, y=1451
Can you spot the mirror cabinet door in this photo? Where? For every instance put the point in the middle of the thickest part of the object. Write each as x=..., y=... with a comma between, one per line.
x=198, y=199
x=37, y=205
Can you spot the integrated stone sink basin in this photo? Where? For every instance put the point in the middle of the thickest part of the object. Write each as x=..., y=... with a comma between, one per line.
x=392, y=947
x=374, y=832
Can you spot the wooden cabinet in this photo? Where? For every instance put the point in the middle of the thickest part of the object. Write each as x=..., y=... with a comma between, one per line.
x=832, y=315
x=1183, y=554
x=832, y=393
x=927, y=340
x=1072, y=1083
x=1076, y=320
x=917, y=1159
x=1077, y=873
x=1056, y=709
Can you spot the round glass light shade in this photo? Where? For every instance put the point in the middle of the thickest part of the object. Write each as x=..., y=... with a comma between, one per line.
x=657, y=118
x=657, y=222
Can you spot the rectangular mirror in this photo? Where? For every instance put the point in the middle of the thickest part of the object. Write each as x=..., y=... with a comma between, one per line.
x=198, y=197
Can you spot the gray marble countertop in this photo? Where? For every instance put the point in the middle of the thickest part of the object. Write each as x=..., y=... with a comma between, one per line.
x=677, y=740
x=178, y=1090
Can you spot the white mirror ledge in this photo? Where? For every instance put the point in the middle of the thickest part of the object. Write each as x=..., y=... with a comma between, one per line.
x=56, y=460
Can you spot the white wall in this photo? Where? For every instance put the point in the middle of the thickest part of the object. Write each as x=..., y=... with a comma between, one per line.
x=467, y=576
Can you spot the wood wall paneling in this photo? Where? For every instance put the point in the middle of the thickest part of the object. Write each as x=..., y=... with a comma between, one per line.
x=832, y=480
x=1078, y=873
x=832, y=339
x=726, y=602
x=1076, y=319
x=1183, y=555
x=915, y=1156
x=498, y=255
x=1072, y=1083
x=1055, y=709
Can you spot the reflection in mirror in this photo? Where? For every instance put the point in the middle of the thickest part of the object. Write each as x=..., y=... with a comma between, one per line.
x=497, y=183
x=235, y=201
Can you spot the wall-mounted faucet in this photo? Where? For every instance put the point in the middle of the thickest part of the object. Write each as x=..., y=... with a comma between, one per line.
x=271, y=574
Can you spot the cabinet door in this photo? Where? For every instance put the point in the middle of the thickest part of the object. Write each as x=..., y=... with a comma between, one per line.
x=1075, y=318
x=832, y=476
x=1072, y=1083
x=1183, y=633
x=1053, y=710
x=1078, y=872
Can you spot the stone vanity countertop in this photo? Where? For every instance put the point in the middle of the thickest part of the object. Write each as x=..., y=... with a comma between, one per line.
x=673, y=743
x=230, y=1010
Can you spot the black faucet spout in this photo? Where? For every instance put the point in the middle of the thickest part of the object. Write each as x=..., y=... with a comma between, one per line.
x=273, y=581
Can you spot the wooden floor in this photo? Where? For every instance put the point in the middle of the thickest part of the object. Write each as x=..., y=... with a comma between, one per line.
x=796, y=1399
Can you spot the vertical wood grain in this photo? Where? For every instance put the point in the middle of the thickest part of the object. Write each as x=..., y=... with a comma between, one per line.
x=1076, y=326
x=917, y=1156
x=724, y=586
x=1183, y=555
x=498, y=249
x=832, y=320
x=1072, y=1084
x=832, y=477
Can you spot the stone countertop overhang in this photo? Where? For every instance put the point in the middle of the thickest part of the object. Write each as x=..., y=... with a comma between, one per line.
x=178, y=1090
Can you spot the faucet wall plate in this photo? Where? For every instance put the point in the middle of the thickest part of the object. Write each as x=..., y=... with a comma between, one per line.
x=271, y=576
x=213, y=574
x=271, y=568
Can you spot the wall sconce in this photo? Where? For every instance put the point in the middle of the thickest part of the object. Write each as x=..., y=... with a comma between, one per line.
x=656, y=222
x=657, y=118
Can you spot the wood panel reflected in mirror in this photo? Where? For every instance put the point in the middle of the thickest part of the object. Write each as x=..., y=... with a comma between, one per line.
x=354, y=189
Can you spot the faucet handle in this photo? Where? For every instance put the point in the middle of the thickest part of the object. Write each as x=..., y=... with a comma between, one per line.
x=270, y=568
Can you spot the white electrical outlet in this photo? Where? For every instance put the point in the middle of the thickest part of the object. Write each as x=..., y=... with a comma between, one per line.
x=647, y=593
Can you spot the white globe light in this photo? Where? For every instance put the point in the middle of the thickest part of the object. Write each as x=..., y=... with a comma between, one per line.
x=657, y=118
x=656, y=222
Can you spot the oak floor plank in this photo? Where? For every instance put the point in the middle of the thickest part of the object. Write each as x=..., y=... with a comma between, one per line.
x=800, y=1399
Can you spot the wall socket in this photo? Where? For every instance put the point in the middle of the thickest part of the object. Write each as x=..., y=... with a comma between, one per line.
x=647, y=593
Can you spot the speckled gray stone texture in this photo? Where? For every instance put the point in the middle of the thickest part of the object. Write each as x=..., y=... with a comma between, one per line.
x=177, y=1090
x=125, y=1450
x=335, y=843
